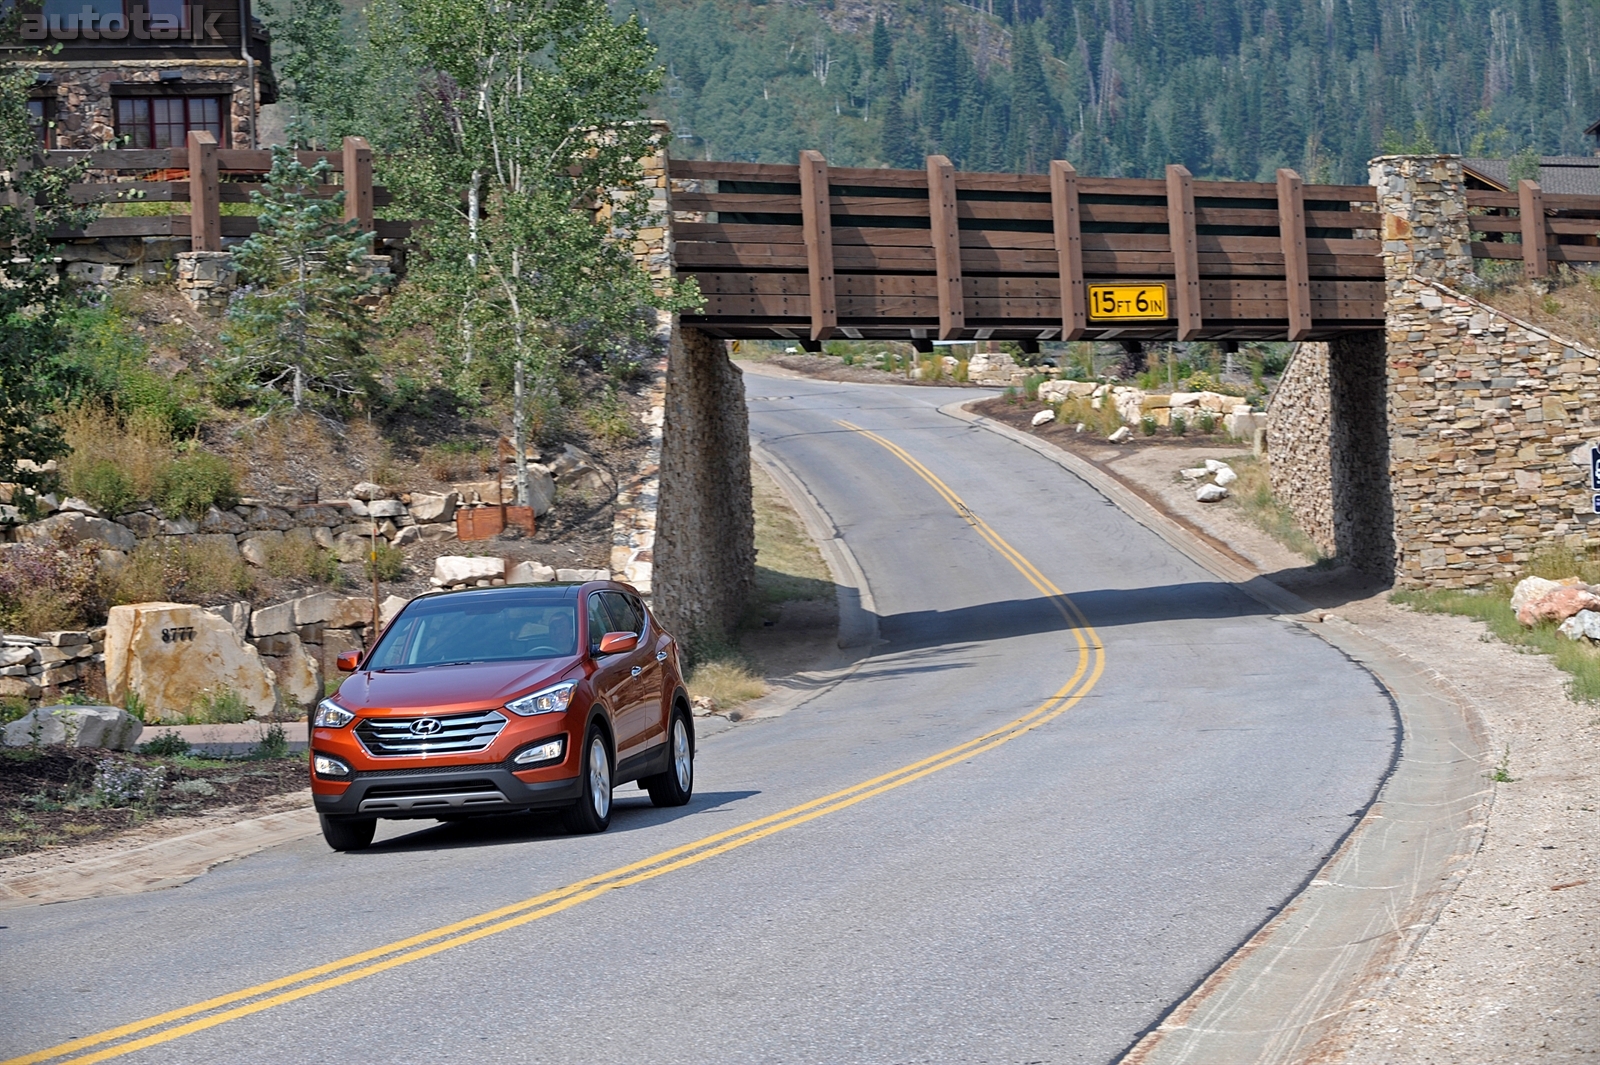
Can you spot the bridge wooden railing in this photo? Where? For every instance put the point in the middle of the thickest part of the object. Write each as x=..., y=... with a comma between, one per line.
x=1549, y=228
x=811, y=252
x=205, y=176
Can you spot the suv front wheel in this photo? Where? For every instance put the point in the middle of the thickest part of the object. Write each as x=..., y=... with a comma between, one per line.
x=592, y=812
x=351, y=835
x=676, y=785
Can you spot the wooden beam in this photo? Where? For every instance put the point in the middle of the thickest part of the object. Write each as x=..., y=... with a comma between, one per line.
x=205, y=220
x=1296, y=267
x=1185, y=251
x=1069, y=247
x=818, y=226
x=946, y=234
x=1530, y=204
x=358, y=182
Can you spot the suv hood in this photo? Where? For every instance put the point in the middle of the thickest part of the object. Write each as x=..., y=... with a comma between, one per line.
x=443, y=689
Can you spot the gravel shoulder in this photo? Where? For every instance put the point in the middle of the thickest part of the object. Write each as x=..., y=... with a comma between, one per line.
x=1510, y=970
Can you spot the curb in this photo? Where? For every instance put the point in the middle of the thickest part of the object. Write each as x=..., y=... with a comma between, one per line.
x=163, y=863
x=1283, y=994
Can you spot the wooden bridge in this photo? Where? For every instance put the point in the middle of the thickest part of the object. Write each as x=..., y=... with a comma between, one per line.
x=813, y=252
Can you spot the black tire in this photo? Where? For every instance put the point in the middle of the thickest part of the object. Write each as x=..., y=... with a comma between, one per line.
x=348, y=835
x=676, y=786
x=592, y=812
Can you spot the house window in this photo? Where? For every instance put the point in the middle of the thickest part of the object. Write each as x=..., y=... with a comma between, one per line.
x=41, y=116
x=165, y=121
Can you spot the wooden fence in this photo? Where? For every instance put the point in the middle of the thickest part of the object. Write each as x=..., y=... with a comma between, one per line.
x=810, y=252
x=205, y=176
x=1549, y=229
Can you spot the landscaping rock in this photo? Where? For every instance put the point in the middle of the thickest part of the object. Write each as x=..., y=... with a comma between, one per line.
x=320, y=515
x=19, y=687
x=530, y=573
x=460, y=569
x=1226, y=476
x=1558, y=605
x=75, y=726
x=298, y=675
x=66, y=638
x=541, y=489
x=1193, y=473
x=179, y=526
x=391, y=606
x=367, y=490
x=270, y=518
x=222, y=521
x=1213, y=465
x=1210, y=493
x=386, y=508
x=350, y=547
x=12, y=656
x=75, y=526
x=255, y=548
x=1584, y=625
x=80, y=506
x=272, y=620
x=1044, y=417
x=431, y=507
x=144, y=523
x=1120, y=435
x=1530, y=588
x=578, y=575
x=172, y=653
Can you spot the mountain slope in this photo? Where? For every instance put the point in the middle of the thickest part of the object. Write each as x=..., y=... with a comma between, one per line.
x=1230, y=88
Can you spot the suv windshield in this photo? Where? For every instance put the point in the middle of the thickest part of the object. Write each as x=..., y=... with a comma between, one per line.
x=498, y=627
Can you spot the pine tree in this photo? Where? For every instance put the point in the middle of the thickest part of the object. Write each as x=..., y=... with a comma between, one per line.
x=882, y=46
x=899, y=149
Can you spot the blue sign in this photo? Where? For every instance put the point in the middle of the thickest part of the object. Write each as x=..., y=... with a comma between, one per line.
x=1594, y=468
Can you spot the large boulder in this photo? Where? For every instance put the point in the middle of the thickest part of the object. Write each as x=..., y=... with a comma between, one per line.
x=75, y=726
x=462, y=569
x=1584, y=625
x=1530, y=588
x=332, y=609
x=434, y=507
x=173, y=653
x=530, y=573
x=299, y=675
x=75, y=526
x=1558, y=605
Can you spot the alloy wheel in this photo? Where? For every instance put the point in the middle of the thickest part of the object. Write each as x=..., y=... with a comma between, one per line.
x=599, y=777
x=682, y=757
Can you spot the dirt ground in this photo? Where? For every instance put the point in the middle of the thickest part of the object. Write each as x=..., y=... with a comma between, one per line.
x=1510, y=972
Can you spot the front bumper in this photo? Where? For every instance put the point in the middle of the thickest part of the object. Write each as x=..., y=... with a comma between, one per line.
x=449, y=791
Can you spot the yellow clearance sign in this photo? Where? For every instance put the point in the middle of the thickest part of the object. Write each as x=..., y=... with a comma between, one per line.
x=1127, y=301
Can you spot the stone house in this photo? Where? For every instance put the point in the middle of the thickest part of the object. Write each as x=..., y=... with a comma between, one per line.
x=144, y=73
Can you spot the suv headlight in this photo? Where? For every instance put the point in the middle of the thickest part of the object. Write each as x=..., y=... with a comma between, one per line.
x=331, y=715
x=549, y=700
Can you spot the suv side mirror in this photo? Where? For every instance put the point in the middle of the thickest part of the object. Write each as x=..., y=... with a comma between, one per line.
x=348, y=661
x=613, y=643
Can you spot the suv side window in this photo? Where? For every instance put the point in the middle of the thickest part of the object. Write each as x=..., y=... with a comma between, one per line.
x=624, y=612
x=600, y=621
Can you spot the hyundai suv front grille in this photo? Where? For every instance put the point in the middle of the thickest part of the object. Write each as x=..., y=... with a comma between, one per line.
x=393, y=737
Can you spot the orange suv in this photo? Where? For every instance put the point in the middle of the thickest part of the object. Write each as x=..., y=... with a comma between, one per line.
x=503, y=700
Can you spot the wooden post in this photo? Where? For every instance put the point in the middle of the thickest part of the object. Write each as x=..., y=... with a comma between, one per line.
x=1069, y=247
x=1296, y=268
x=358, y=182
x=1530, y=204
x=205, y=220
x=945, y=232
x=1185, y=256
x=816, y=214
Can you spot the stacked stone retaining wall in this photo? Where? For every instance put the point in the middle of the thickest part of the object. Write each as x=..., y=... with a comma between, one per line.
x=1298, y=443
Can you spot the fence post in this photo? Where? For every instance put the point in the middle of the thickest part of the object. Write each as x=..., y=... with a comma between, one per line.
x=1530, y=205
x=1185, y=254
x=205, y=220
x=1069, y=247
x=946, y=234
x=1296, y=267
x=358, y=182
x=816, y=215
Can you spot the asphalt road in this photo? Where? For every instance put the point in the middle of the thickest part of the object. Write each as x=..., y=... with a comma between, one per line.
x=1042, y=896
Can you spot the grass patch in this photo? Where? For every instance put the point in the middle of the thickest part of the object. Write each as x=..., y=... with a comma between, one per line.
x=302, y=558
x=726, y=682
x=1493, y=608
x=1102, y=421
x=1252, y=496
x=169, y=570
x=791, y=567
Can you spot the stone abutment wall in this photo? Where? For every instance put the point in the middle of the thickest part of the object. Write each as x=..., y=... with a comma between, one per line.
x=1298, y=436
x=705, y=527
x=1363, y=511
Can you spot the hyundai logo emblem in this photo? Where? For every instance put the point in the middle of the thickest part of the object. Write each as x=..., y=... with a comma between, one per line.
x=426, y=726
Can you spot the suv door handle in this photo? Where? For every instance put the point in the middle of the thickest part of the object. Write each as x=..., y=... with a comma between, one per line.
x=637, y=670
x=661, y=656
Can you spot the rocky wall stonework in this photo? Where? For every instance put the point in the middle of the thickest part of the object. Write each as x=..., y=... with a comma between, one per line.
x=30, y=666
x=1358, y=460
x=705, y=536
x=1490, y=424
x=1298, y=440
x=633, y=530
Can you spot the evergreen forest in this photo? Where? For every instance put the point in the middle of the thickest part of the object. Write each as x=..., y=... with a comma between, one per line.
x=1230, y=88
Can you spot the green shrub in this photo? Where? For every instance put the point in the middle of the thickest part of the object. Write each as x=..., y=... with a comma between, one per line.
x=104, y=483
x=1031, y=383
x=1147, y=425
x=304, y=558
x=180, y=571
x=1207, y=422
x=1180, y=425
x=221, y=706
x=167, y=745
x=12, y=707
x=387, y=561
x=194, y=482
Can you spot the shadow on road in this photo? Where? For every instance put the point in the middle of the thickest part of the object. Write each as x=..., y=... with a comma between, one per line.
x=630, y=812
x=1104, y=608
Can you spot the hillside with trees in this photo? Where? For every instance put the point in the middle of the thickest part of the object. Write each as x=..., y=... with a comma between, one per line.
x=1230, y=88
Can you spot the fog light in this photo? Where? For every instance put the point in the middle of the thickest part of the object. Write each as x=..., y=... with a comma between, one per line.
x=329, y=767
x=550, y=751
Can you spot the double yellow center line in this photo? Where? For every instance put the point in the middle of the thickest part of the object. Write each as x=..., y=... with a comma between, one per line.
x=175, y=1024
